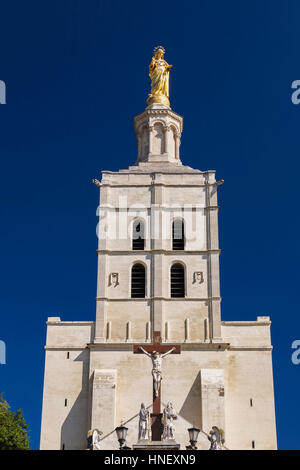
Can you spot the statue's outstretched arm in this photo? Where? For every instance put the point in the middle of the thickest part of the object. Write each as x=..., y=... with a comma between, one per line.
x=145, y=352
x=168, y=352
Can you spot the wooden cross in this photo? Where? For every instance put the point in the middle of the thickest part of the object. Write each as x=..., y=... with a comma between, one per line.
x=160, y=348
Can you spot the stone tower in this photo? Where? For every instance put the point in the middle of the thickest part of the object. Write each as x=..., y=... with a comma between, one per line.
x=159, y=194
x=158, y=272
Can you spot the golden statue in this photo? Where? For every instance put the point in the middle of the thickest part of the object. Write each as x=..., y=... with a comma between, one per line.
x=159, y=71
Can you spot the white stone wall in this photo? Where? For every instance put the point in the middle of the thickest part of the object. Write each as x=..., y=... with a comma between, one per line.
x=250, y=411
x=157, y=199
x=65, y=398
x=193, y=381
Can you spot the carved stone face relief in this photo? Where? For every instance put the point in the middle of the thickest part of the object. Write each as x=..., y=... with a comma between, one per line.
x=113, y=279
x=198, y=277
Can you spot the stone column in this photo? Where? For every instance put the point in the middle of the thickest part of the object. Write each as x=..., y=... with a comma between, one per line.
x=157, y=258
x=186, y=330
x=167, y=138
x=167, y=331
x=213, y=279
x=108, y=331
x=128, y=332
x=177, y=145
x=157, y=280
x=206, y=330
x=148, y=331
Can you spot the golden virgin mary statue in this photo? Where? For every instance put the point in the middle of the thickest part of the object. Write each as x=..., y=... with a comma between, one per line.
x=159, y=71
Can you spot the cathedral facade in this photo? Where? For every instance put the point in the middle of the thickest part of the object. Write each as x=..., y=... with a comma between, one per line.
x=158, y=283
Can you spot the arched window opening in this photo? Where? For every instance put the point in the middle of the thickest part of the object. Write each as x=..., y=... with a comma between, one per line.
x=177, y=281
x=158, y=139
x=178, y=235
x=138, y=235
x=138, y=275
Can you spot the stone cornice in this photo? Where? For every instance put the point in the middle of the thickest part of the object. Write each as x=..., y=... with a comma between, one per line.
x=186, y=346
x=246, y=323
x=157, y=207
x=159, y=251
x=250, y=348
x=153, y=183
x=206, y=346
x=66, y=347
x=70, y=323
x=167, y=299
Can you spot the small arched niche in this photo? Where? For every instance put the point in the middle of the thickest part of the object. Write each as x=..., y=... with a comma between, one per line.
x=158, y=145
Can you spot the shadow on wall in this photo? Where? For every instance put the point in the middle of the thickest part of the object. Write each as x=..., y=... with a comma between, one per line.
x=75, y=427
x=191, y=409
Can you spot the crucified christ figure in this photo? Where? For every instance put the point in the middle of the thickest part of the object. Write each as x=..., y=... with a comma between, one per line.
x=156, y=358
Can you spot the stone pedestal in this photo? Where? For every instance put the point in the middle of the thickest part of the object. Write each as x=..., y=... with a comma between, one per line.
x=156, y=445
x=158, y=130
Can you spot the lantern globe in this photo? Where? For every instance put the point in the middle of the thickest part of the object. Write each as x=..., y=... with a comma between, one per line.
x=193, y=435
x=121, y=434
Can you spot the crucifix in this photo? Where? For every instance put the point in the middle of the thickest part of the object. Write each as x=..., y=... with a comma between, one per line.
x=156, y=352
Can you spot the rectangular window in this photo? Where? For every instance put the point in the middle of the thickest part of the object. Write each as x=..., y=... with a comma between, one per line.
x=178, y=235
x=253, y=445
x=251, y=402
x=66, y=401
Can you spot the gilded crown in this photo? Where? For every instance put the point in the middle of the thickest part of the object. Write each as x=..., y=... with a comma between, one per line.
x=159, y=48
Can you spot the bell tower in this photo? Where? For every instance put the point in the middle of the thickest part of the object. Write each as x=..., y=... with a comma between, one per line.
x=176, y=209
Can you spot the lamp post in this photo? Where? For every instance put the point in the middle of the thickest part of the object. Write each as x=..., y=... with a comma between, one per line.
x=121, y=435
x=193, y=435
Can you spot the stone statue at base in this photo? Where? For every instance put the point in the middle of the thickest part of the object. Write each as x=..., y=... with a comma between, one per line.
x=93, y=439
x=169, y=416
x=144, y=423
x=216, y=439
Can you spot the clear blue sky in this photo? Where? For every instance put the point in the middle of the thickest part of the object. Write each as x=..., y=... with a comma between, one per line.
x=77, y=73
